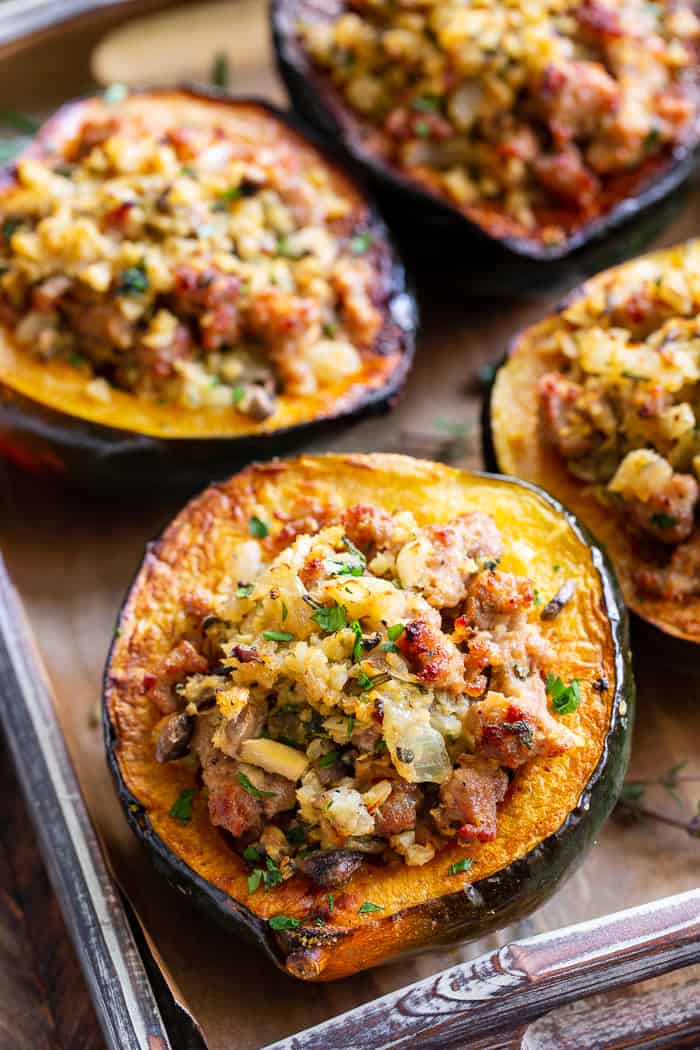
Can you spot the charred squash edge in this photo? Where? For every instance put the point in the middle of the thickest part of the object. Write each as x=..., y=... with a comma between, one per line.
x=659, y=614
x=488, y=904
x=316, y=98
x=41, y=438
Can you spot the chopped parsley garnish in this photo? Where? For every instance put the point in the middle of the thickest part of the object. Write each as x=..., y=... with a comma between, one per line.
x=329, y=760
x=331, y=619
x=278, y=636
x=244, y=590
x=254, y=880
x=330, y=329
x=537, y=599
x=367, y=682
x=222, y=202
x=182, y=808
x=252, y=854
x=251, y=788
x=273, y=876
x=237, y=394
x=459, y=866
x=296, y=834
x=350, y=727
x=331, y=901
x=357, y=644
x=366, y=907
x=652, y=139
x=352, y=564
x=285, y=249
x=565, y=698
x=283, y=922
x=423, y=129
x=133, y=281
x=285, y=612
x=394, y=632
x=360, y=243
x=258, y=528
x=427, y=104
x=220, y=75
x=492, y=565
x=663, y=520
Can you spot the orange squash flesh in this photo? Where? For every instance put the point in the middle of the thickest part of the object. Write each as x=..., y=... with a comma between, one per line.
x=519, y=449
x=555, y=805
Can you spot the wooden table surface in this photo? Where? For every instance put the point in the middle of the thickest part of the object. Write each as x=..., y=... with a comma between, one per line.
x=71, y=558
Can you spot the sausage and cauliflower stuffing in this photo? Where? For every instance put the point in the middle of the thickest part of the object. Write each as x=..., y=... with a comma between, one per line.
x=366, y=693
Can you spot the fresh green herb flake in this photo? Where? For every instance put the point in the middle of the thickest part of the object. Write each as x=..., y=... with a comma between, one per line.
x=254, y=880
x=258, y=528
x=331, y=901
x=133, y=281
x=251, y=788
x=427, y=104
x=329, y=760
x=367, y=907
x=565, y=698
x=331, y=618
x=182, y=808
x=285, y=612
x=357, y=644
x=230, y=195
x=395, y=631
x=459, y=866
x=237, y=394
x=252, y=854
x=283, y=922
x=244, y=590
x=662, y=520
x=278, y=636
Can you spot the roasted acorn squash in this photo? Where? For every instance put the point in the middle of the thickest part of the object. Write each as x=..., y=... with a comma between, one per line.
x=49, y=420
x=415, y=204
x=650, y=304
x=553, y=809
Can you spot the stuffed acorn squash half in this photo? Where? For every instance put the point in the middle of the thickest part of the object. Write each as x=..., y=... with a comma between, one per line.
x=599, y=405
x=187, y=282
x=362, y=705
x=539, y=126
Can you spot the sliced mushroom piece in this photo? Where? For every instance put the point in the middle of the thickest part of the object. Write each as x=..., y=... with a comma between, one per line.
x=560, y=599
x=257, y=403
x=174, y=738
x=330, y=868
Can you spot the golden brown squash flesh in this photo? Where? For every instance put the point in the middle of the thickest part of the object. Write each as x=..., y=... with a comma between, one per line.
x=520, y=449
x=49, y=419
x=554, y=807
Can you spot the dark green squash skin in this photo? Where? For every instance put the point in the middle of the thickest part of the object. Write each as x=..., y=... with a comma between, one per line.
x=489, y=904
x=44, y=440
x=441, y=225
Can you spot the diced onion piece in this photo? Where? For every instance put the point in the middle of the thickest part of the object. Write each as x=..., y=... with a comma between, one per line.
x=417, y=750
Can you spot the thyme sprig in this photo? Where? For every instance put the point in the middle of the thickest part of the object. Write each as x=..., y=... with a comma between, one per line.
x=633, y=802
